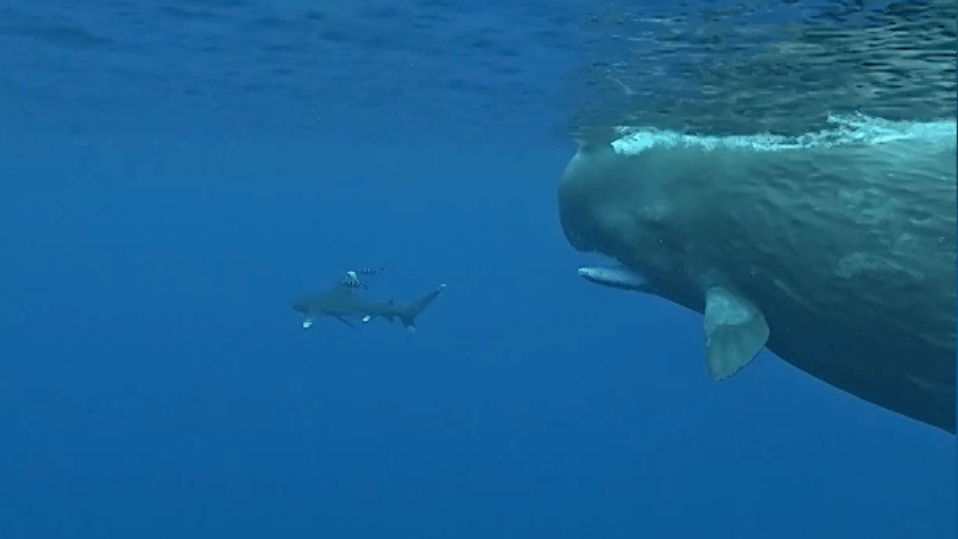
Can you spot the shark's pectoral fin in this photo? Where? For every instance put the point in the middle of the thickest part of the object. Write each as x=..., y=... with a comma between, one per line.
x=347, y=322
x=735, y=332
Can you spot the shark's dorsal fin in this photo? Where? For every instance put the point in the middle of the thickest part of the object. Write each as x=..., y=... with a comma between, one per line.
x=351, y=278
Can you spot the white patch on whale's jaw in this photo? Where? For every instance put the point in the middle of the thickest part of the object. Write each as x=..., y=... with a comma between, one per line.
x=735, y=332
x=307, y=323
x=619, y=277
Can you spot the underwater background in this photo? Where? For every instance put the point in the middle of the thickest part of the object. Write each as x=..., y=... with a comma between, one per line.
x=173, y=173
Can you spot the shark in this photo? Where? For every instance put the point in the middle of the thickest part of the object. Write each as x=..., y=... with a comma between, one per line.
x=341, y=302
x=837, y=252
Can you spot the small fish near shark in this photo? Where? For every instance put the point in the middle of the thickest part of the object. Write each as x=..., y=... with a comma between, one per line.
x=342, y=303
x=836, y=251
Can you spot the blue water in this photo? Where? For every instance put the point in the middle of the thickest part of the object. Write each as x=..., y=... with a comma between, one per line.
x=173, y=174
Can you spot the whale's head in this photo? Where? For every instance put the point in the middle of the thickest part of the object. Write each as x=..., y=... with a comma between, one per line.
x=630, y=209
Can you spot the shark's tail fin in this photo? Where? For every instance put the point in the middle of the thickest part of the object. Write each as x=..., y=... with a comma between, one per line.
x=409, y=314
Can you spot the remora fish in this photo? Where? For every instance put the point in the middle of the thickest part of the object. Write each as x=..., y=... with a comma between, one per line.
x=837, y=256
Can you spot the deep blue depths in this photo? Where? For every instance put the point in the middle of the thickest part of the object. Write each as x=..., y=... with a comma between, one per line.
x=154, y=382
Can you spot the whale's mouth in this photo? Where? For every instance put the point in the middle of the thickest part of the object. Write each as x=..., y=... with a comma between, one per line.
x=615, y=277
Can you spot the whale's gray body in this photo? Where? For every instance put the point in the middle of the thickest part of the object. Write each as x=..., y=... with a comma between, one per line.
x=847, y=250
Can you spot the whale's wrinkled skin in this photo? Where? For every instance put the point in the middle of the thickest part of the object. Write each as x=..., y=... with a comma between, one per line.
x=845, y=245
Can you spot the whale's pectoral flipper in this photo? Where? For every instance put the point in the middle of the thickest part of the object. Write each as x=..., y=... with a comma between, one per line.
x=735, y=332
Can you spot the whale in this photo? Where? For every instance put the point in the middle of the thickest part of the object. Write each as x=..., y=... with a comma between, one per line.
x=834, y=250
